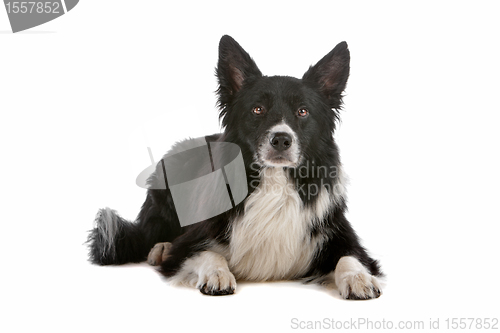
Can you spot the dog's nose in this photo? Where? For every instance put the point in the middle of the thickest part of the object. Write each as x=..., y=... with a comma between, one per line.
x=281, y=141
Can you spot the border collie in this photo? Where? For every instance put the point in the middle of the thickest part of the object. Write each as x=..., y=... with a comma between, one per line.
x=292, y=223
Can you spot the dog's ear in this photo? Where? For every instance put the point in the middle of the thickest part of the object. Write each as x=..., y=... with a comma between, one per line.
x=234, y=69
x=330, y=74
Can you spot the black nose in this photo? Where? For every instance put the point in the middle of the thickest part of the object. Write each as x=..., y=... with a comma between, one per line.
x=281, y=141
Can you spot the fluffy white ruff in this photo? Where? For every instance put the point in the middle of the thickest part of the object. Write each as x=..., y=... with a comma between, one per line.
x=271, y=240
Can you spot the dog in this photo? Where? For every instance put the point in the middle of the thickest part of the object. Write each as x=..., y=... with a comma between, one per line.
x=291, y=225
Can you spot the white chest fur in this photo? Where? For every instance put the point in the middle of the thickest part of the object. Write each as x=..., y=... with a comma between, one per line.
x=271, y=240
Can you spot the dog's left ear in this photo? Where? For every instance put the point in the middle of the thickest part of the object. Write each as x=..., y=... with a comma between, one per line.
x=330, y=74
x=234, y=69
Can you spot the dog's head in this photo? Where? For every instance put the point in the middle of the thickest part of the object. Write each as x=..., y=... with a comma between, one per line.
x=279, y=118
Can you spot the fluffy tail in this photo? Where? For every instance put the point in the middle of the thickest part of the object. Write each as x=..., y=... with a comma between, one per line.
x=115, y=241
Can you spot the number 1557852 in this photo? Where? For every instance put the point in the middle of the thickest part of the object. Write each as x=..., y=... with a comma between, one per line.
x=31, y=7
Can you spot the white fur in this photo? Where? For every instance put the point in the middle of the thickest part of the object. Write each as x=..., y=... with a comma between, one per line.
x=353, y=279
x=271, y=240
x=106, y=222
x=206, y=269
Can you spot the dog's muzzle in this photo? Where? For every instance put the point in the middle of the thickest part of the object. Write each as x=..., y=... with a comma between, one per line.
x=280, y=147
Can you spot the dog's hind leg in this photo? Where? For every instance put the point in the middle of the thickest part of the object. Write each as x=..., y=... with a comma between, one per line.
x=159, y=253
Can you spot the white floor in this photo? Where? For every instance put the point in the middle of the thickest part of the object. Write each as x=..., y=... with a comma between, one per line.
x=83, y=96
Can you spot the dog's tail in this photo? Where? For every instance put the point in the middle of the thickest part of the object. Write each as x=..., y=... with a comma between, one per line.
x=115, y=241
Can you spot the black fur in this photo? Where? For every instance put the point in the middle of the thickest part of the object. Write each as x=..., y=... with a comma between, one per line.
x=242, y=87
x=128, y=245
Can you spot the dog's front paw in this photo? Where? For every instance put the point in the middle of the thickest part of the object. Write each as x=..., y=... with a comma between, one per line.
x=216, y=283
x=159, y=253
x=359, y=286
x=354, y=281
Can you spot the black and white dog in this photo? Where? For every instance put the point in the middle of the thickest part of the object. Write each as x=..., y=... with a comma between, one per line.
x=291, y=225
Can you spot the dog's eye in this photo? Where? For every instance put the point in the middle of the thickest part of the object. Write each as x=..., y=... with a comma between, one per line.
x=303, y=112
x=258, y=110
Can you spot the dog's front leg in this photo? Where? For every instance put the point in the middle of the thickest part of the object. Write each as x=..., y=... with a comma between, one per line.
x=207, y=271
x=345, y=262
x=354, y=281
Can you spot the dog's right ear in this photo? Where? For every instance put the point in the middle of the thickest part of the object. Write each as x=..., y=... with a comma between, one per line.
x=234, y=69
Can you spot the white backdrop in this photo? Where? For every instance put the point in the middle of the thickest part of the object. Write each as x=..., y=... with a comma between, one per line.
x=82, y=97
